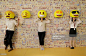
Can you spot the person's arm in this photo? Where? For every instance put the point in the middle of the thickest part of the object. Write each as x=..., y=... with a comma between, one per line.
x=41, y=19
x=5, y=26
x=70, y=21
x=36, y=20
x=47, y=20
x=79, y=21
x=5, y=30
x=17, y=24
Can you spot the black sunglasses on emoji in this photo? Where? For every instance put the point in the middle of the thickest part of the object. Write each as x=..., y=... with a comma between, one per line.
x=73, y=12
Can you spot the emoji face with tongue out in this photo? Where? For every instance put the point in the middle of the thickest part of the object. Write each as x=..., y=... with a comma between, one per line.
x=58, y=13
x=74, y=13
x=9, y=14
x=25, y=14
x=42, y=14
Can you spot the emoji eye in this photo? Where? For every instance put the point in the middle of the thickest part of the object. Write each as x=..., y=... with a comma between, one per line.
x=8, y=13
x=27, y=14
x=60, y=11
x=43, y=12
x=40, y=12
x=73, y=12
x=57, y=11
x=77, y=11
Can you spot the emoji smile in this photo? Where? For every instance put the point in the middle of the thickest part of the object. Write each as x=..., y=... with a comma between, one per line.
x=59, y=15
x=75, y=15
x=41, y=15
x=24, y=16
x=7, y=16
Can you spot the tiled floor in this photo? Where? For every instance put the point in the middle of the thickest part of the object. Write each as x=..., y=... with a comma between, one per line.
x=78, y=51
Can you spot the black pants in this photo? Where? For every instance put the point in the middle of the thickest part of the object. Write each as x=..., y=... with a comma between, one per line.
x=41, y=37
x=8, y=38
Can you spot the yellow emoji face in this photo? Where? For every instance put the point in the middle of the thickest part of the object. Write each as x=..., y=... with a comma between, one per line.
x=58, y=13
x=25, y=14
x=9, y=14
x=74, y=13
x=42, y=14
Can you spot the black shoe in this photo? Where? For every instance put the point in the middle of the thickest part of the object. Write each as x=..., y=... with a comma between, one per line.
x=72, y=47
x=10, y=49
x=5, y=48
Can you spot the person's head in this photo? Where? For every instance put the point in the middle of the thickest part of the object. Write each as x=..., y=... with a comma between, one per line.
x=73, y=18
x=41, y=18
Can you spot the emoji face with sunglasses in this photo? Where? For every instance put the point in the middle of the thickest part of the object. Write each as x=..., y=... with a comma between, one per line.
x=74, y=13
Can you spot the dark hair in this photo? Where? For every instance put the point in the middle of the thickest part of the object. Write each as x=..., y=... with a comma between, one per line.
x=43, y=18
x=72, y=19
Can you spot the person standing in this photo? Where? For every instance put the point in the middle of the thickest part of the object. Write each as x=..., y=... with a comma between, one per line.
x=73, y=31
x=10, y=24
x=41, y=30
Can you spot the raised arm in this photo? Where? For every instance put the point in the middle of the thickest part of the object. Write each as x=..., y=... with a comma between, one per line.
x=79, y=21
x=17, y=24
x=70, y=21
x=47, y=20
x=36, y=20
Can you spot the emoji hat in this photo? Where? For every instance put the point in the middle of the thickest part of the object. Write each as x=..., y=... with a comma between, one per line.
x=42, y=14
x=25, y=14
x=9, y=14
x=74, y=13
x=58, y=13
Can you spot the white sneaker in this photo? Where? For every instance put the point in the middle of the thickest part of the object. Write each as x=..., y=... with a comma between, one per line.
x=42, y=48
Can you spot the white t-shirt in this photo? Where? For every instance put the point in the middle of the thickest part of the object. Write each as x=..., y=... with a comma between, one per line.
x=41, y=25
x=10, y=24
x=76, y=23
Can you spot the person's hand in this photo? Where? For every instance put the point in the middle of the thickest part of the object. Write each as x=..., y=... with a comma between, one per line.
x=18, y=22
x=18, y=19
x=73, y=20
x=41, y=19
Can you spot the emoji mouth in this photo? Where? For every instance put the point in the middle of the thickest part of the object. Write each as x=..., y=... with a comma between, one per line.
x=24, y=16
x=41, y=15
x=7, y=16
x=75, y=15
x=59, y=15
